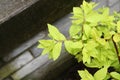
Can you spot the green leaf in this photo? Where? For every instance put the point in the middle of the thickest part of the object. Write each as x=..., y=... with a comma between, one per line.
x=115, y=75
x=55, y=34
x=79, y=57
x=116, y=37
x=85, y=6
x=94, y=17
x=86, y=56
x=94, y=33
x=74, y=30
x=87, y=30
x=73, y=47
x=107, y=77
x=101, y=74
x=78, y=13
x=101, y=41
x=46, y=43
x=118, y=26
x=91, y=44
x=84, y=37
x=46, y=50
x=106, y=11
x=56, y=50
x=85, y=75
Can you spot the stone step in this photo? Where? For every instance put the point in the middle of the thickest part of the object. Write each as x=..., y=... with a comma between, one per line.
x=15, y=65
x=20, y=20
x=25, y=60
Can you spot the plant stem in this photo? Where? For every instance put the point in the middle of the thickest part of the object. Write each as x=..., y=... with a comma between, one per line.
x=116, y=49
x=83, y=22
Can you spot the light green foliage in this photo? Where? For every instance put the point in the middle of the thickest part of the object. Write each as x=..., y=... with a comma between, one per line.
x=56, y=50
x=94, y=40
x=54, y=33
x=85, y=75
x=47, y=45
x=53, y=47
x=118, y=26
x=115, y=75
x=116, y=37
x=73, y=47
x=100, y=74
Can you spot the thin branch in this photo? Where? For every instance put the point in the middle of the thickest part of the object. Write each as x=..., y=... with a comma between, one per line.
x=116, y=49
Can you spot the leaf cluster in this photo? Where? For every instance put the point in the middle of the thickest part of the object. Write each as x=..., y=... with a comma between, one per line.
x=94, y=40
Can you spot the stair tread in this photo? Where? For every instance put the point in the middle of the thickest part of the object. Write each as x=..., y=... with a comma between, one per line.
x=10, y=8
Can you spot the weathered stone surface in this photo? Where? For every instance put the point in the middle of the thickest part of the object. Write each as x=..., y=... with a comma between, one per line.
x=33, y=65
x=10, y=8
x=33, y=19
x=58, y=66
x=102, y=3
x=15, y=65
x=112, y=2
x=51, y=69
x=24, y=46
x=63, y=24
x=36, y=51
x=115, y=7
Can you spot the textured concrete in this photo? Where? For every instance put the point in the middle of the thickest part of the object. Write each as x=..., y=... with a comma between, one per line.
x=33, y=65
x=33, y=19
x=35, y=51
x=24, y=46
x=10, y=8
x=116, y=7
x=51, y=67
x=112, y=2
x=15, y=65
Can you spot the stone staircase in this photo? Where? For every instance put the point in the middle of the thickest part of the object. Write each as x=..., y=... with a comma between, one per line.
x=22, y=24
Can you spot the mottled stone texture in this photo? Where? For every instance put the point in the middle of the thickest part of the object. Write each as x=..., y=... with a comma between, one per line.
x=114, y=5
x=15, y=65
x=32, y=19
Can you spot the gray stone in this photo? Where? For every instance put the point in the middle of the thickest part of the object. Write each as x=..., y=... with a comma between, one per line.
x=15, y=65
x=112, y=2
x=43, y=62
x=52, y=69
x=10, y=8
x=24, y=46
x=64, y=24
x=33, y=65
x=36, y=51
x=23, y=19
x=101, y=3
x=115, y=7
